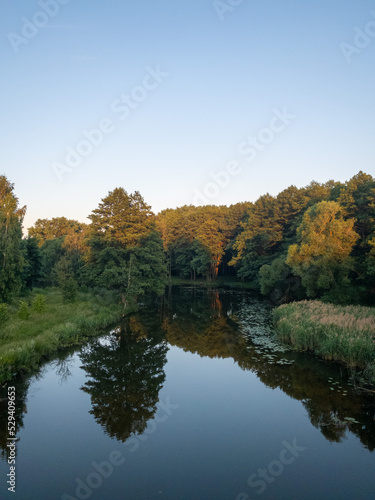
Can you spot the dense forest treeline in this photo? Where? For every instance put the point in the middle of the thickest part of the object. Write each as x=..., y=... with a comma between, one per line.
x=312, y=242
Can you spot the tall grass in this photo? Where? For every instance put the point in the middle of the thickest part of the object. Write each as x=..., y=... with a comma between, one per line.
x=24, y=342
x=340, y=333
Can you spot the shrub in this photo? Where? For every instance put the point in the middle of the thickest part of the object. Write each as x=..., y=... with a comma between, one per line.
x=4, y=312
x=69, y=290
x=23, y=311
x=39, y=304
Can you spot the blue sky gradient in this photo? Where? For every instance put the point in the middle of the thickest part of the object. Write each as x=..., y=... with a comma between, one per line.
x=227, y=74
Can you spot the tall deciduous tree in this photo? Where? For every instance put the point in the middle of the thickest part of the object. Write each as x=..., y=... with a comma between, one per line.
x=60, y=238
x=11, y=254
x=322, y=256
x=196, y=239
x=48, y=229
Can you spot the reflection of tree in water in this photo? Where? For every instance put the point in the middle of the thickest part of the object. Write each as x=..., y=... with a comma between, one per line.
x=307, y=381
x=63, y=367
x=126, y=374
x=22, y=387
x=199, y=321
x=216, y=340
x=62, y=363
x=200, y=325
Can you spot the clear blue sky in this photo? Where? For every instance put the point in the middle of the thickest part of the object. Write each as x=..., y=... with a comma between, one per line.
x=229, y=68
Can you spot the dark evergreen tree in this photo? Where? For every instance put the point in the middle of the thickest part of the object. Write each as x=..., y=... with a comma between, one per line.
x=33, y=262
x=11, y=254
x=126, y=252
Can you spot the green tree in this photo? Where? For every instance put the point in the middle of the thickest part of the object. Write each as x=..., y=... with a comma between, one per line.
x=121, y=220
x=60, y=237
x=51, y=252
x=357, y=198
x=49, y=229
x=277, y=281
x=260, y=239
x=371, y=258
x=64, y=273
x=197, y=239
x=33, y=262
x=11, y=254
x=126, y=252
x=322, y=255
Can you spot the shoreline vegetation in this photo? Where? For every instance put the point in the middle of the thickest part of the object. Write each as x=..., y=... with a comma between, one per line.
x=343, y=334
x=52, y=326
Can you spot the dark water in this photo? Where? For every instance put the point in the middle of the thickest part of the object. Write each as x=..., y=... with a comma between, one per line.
x=193, y=401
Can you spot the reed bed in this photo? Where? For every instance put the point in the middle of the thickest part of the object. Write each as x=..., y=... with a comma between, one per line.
x=339, y=333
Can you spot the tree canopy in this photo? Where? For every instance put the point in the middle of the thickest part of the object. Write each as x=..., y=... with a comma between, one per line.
x=11, y=255
x=125, y=250
x=313, y=241
x=325, y=241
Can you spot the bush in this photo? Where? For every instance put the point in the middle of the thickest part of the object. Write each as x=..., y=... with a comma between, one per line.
x=23, y=311
x=4, y=313
x=69, y=290
x=39, y=304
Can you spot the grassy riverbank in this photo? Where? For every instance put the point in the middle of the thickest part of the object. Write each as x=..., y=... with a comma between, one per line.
x=24, y=342
x=340, y=333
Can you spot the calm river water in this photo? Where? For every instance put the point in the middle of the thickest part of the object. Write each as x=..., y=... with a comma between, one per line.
x=196, y=401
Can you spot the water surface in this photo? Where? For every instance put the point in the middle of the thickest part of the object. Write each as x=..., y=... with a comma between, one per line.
x=193, y=400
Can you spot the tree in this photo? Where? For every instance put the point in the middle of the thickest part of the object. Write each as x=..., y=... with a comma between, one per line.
x=121, y=220
x=48, y=229
x=51, y=252
x=126, y=252
x=197, y=239
x=357, y=197
x=260, y=238
x=60, y=237
x=277, y=281
x=371, y=258
x=33, y=262
x=11, y=254
x=291, y=203
x=322, y=255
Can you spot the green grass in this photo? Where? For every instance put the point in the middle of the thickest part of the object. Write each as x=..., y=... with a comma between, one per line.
x=25, y=342
x=339, y=333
